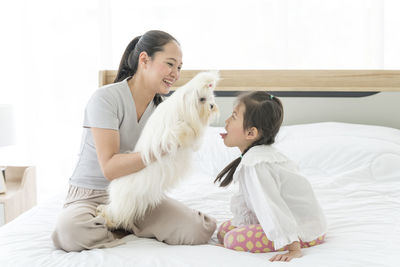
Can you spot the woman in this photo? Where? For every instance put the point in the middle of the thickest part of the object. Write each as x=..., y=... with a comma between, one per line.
x=114, y=118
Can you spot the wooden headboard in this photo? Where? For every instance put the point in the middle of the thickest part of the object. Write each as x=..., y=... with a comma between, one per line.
x=309, y=96
x=293, y=80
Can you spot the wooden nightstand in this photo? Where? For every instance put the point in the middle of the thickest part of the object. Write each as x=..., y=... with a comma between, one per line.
x=21, y=192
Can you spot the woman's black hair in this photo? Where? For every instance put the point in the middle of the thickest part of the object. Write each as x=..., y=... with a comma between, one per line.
x=262, y=111
x=151, y=42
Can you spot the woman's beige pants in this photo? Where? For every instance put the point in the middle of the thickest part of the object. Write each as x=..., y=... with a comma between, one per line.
x=79, y=228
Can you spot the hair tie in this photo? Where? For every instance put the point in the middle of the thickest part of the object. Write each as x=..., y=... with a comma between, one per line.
x=271, y=96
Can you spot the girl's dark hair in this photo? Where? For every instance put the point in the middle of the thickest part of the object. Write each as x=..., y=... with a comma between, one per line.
x=151, y=42
x=262, y=111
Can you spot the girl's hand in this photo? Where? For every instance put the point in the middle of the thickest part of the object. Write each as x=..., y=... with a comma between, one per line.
x=287, y=257
x=294, y=252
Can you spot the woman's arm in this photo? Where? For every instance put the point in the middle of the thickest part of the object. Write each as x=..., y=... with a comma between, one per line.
x=114, y=164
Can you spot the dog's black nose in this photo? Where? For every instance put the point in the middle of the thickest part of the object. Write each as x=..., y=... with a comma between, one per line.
x=212, y=106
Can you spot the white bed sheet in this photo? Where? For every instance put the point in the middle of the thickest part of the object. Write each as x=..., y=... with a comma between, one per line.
x=354, y=170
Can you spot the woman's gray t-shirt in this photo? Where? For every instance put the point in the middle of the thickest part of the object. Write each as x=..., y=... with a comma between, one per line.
x=110, y=107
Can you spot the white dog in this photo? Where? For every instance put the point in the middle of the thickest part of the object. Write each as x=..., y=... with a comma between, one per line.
x=166, y=144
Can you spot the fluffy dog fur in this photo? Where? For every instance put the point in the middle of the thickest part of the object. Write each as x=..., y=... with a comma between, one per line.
x=169, y=137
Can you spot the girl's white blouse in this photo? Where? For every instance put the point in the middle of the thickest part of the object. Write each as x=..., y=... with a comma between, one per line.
x=273, y=194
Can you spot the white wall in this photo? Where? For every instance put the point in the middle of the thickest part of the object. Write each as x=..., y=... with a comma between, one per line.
x=51, y=52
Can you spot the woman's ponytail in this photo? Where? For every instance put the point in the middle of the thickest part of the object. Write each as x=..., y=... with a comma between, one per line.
x=126, y=66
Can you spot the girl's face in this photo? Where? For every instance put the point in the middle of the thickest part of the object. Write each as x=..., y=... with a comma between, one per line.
x=163, y=68
x=235, y=135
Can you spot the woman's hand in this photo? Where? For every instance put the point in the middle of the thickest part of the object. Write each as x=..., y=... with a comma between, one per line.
x=294, y=252
x=153, y=158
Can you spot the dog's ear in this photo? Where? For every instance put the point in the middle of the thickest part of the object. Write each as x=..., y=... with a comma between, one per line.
x=213, y=78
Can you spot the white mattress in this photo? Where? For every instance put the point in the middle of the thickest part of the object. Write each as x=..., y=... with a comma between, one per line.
x=354, y=170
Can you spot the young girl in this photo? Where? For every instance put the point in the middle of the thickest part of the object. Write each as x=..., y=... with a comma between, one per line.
x=275, y=208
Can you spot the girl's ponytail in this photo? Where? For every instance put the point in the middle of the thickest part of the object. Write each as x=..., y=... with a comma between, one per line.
x=230, y=169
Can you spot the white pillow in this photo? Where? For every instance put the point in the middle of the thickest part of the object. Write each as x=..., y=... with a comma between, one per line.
x=334, y=148
x=328, y=148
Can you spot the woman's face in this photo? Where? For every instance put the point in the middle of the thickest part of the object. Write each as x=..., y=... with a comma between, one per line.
x=164, y=67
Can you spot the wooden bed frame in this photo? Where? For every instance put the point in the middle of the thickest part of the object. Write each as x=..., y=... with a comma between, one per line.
x=293, y=80
x=310, y=96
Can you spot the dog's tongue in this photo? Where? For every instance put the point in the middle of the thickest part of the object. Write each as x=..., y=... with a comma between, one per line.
x=223, y=135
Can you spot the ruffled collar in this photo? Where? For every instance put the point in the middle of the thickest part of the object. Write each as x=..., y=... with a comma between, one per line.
x=258, y=154
x=262, y=153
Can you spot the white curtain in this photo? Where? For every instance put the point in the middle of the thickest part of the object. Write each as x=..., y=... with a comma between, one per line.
x=51, y=52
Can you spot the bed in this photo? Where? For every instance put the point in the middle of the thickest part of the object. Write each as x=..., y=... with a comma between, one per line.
x=353, y=168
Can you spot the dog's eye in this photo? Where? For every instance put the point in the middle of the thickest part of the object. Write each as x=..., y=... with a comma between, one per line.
x=202, y=99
